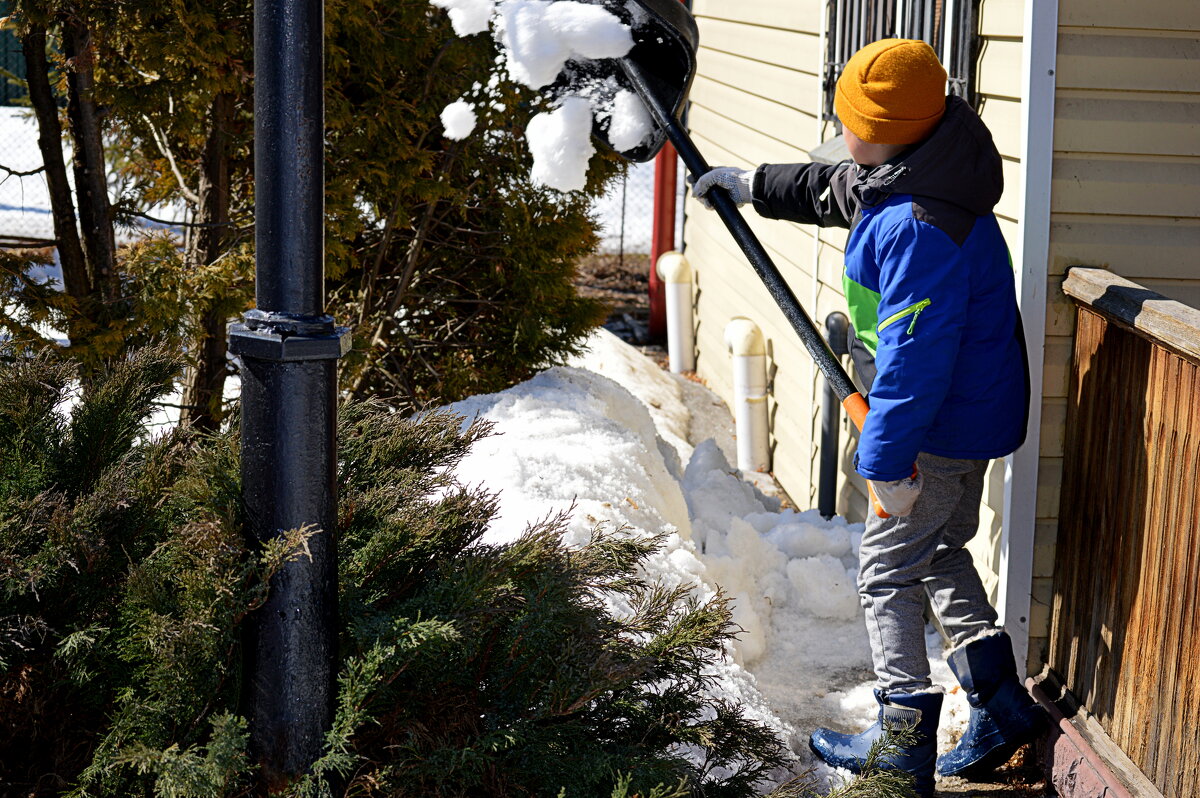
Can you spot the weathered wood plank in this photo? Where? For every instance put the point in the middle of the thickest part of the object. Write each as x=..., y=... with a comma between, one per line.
x=1123, y=625
x=1150, y=313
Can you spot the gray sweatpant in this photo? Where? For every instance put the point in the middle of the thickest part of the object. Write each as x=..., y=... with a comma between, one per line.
x=904, y=559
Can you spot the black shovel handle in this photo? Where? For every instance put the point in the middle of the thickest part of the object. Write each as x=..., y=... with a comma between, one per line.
x=768, y=272
x=727, y=209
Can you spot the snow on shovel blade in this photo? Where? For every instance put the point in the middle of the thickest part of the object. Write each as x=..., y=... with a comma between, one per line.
x=663, y=55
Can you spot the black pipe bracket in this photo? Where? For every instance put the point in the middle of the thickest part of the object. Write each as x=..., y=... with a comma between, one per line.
x=287, y=337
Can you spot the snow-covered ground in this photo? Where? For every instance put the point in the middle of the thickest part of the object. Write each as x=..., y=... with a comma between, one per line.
x=629, y=445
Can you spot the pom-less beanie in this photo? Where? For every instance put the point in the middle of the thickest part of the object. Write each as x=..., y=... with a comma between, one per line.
x=892, y=91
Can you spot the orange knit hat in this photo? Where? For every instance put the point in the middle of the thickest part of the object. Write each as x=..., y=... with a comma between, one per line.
x=892, y=91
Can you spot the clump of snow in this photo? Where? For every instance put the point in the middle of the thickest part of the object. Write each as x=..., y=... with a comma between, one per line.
x=539, y=40
x=458, y=120
x=540, y=36
x=607, y=436
x=630, y=123
x=561, y=144
x=467, y=17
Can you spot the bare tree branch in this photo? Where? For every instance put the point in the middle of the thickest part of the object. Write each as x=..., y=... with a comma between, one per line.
x=15, y=173
x=161, y=142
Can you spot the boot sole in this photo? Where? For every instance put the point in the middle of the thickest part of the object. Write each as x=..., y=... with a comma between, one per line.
x=986, y=765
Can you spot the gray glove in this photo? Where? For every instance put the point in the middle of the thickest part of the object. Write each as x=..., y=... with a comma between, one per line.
x=897, y=498
x=736, y=181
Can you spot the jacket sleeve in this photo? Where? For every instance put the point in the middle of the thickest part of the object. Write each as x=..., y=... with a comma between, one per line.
x=924, y=289
x=811, y=193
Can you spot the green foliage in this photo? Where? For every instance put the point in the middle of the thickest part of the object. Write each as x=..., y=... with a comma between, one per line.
x=122, y=571
x=466, y=669
x=455, y=268
x=452, y=269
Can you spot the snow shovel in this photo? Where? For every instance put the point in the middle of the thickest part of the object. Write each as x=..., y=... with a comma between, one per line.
x=660, y=68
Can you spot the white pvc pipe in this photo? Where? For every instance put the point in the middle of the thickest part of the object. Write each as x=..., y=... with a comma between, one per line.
x=745, y=342
x=676, y=275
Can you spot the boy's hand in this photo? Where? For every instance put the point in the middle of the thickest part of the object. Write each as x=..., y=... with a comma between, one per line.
x=735, y=181
x=897, y=498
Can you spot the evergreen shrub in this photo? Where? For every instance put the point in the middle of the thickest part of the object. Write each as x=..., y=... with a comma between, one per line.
x=466, y=669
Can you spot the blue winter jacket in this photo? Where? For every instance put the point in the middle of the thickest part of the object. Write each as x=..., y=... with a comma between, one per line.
x=931, y=293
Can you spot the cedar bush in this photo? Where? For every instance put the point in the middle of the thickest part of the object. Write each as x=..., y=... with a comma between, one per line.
x=466, y=669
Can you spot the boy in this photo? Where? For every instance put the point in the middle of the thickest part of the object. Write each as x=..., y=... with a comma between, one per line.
x=937, y=336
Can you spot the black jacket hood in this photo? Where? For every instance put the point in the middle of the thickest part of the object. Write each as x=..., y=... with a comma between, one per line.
x=958, y=163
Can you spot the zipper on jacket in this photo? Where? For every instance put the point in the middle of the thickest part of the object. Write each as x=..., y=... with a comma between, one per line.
x=913, y=310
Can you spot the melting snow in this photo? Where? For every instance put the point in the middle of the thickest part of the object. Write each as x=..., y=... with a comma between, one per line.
x=632, y=446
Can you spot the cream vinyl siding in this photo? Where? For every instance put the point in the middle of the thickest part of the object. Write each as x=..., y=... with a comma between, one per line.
x=1125, y=193
x=757, y=99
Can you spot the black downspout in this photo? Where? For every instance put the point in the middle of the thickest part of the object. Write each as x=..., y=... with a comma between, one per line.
x=289, y=351
x=836, y=325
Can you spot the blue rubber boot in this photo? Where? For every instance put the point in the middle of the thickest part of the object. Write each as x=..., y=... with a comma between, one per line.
x=917, y=710
x=1003, y=715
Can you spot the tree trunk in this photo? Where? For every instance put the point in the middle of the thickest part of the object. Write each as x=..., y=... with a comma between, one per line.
x=70, y=252
x=91, y=179
x=205, y=384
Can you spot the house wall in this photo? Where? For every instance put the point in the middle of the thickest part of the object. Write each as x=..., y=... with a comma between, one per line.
x=756, y=99
x=1125, y=195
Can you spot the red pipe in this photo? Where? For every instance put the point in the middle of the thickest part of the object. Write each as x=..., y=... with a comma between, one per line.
x=665, y=165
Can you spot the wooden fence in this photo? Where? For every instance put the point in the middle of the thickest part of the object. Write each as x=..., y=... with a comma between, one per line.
x=1124, y=624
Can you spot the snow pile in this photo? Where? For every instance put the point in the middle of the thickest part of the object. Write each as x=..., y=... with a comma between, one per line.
x=538, y=41
x=610, y=436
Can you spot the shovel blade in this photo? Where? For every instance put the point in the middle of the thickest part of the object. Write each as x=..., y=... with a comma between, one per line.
x=663, y=60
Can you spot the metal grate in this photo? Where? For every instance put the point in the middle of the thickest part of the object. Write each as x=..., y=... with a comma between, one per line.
x=853, y=24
